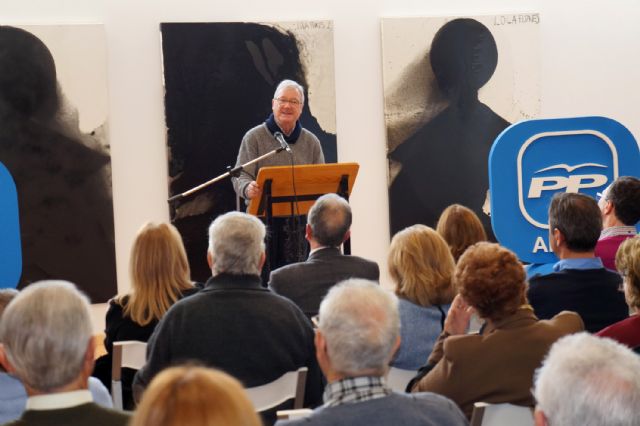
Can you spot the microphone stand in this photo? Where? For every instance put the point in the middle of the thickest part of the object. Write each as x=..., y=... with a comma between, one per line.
x=234, y=172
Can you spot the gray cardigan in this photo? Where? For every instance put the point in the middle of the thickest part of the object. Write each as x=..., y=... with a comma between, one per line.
x=424, y=409
x=259, y=141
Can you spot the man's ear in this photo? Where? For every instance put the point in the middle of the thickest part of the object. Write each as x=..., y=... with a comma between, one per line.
x=558, y=236
x=608, y=208
x=89, y=356
x=346, y=236
x=539, y=418
x=321, y=348
x=308, y=234
x=4, y=360
x=263, y=259
x=394, y=351
x=210, y=259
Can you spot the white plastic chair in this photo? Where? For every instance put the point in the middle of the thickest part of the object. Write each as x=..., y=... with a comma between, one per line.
x=294, y=414
x=485, y=414
x=289, y=386
x=398, y=379
x=130, y=354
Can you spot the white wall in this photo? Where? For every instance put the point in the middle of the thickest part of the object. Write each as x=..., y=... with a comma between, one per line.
x=590, y=55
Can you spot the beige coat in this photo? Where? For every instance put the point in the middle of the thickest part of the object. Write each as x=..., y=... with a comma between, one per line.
x=498, y=365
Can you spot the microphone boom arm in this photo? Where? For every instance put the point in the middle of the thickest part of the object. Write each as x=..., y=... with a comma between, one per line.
x=232, y=172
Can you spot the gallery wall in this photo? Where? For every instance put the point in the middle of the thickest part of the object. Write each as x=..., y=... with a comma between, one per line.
x=589, y=58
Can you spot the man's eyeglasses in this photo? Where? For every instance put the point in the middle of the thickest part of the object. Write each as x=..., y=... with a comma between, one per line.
x=292, y=102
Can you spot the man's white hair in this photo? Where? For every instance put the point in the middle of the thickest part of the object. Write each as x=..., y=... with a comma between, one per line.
x=46, y=331
x=285, y=84
x=236, y=243
x=589, y=381
x=360, y=323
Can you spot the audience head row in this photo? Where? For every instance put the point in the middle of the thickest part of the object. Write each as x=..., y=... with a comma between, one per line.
x=421, y=265
x=193, y=395
x=46, y=337
x=620, y=202
x=586, y=380
x=460, y=227
x=358, y=331
x=159, y=272
x=628, y=263
x=236, y=244
x=329, y=220
x=492, y=280
x=575, y=222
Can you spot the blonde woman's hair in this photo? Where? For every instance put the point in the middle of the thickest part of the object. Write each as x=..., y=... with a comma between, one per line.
x=628, y=263
x=194, y=396
x=159, y=273
x=421, y=265
x=460, y=228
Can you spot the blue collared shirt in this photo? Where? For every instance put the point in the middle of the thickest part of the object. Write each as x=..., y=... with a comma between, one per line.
x=582, y=263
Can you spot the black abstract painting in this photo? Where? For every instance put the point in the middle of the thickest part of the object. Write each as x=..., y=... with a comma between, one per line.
x=62, y=173
x=219, y=81
x=439, y=146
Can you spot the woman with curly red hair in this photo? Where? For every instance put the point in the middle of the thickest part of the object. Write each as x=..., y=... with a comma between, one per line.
x=496, y=365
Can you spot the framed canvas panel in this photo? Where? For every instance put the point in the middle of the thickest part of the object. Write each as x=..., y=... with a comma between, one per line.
x=219, y=82
x=451, y=86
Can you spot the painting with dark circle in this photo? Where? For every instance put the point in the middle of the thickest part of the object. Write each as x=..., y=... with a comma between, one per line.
x=451, y=86
x=53, y=142
x=219, y=81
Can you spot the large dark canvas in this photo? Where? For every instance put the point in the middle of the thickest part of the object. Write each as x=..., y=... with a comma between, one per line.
x=451, y=86
x=219, y=81
x=53, y=141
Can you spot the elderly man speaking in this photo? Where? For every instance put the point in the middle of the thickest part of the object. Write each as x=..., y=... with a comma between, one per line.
x=358, y=335
x=287, y=104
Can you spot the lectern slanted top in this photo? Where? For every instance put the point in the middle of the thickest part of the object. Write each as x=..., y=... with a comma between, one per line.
x=283, y=186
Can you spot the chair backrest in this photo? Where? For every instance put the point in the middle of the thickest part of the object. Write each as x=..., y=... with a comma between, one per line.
x=294, y=414
x=130, y=354
x=289, y=386
x=485, y=414
x=398, y=379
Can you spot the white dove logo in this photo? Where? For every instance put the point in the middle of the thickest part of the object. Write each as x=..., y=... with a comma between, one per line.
x=571, y=183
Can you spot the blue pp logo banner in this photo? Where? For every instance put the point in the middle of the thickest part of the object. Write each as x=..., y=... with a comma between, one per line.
x=10, y=248
x=532, y=160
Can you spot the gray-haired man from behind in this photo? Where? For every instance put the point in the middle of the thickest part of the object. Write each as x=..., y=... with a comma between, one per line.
x=358, y=334
x=47, y=344
x=306, y=283
x=234, y=323
x=588, y=381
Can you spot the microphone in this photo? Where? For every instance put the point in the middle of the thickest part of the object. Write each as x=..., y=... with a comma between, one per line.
x=283, y=143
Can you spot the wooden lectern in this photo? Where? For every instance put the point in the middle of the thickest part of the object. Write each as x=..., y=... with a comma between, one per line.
x=292, y=190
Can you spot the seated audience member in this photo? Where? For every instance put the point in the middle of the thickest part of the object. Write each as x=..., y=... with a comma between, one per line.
x=359, y=332
x=627, y=331
x=620, y=207
x=421, y=266
x=13, y=396
x=306, y=283
x=47, y=343
x=234, y=323
x=579, y=283
x=460, y=228
x=496, y=365
x=160, y=276
x=195, y=396
x=588, y=381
